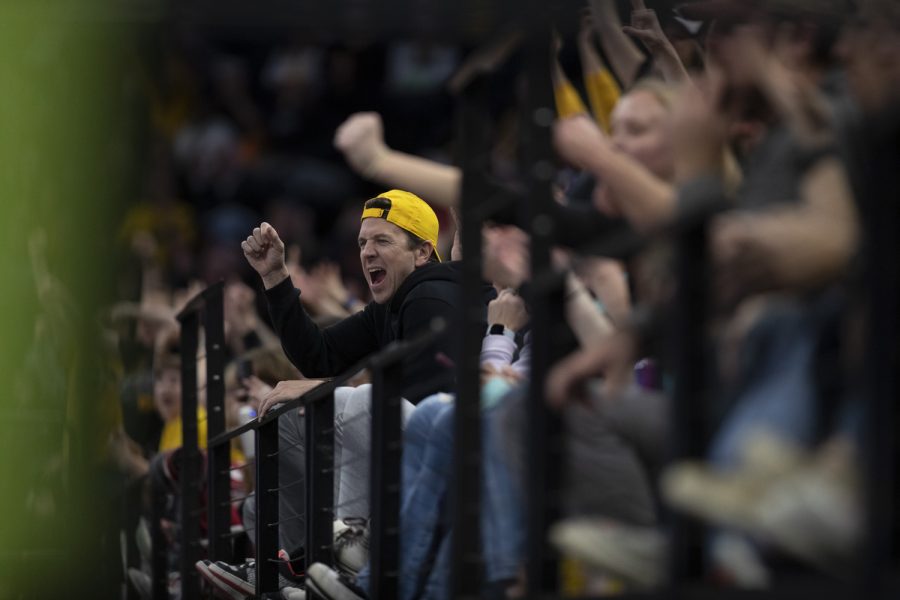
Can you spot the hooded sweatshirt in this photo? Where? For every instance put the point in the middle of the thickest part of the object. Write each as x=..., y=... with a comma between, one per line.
x=431, y=291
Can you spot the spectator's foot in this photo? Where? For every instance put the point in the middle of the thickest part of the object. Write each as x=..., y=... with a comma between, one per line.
x=293, y=593
x=331, y=584
x=230, y=581
x=815, y=515
x=142, y=583
x=237, y=581
x=736, y=562
x=636, y=555
x=722, y=498
x=351, y=544
x=730, y=498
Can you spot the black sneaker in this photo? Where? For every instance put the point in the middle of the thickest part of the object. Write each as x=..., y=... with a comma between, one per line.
x=331, y=584
x=237, y=581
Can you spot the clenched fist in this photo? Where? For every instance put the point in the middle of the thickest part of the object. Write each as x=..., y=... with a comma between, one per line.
x=264, y=251
x=361, y=139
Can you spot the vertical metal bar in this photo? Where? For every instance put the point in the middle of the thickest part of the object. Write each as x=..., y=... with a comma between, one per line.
x=190, y=458
x=882, y=404
x=687, y=344
x=159, y=567
x=387, y=449
x=267, y=507
x=319, y=422
x=219, y=457
x=465, y=500
x=544, y=449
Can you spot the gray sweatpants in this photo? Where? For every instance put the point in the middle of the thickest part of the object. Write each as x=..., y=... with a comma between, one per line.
x=352, y=444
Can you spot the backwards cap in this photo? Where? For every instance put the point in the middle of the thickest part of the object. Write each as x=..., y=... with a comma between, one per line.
x=408, y=212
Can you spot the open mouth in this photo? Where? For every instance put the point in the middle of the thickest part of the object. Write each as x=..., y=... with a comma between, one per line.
x=377, y=275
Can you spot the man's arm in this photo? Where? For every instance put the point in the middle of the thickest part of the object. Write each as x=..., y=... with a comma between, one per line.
x=319, y=352
x=316, y=352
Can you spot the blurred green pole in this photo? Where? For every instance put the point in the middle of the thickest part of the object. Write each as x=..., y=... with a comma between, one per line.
x=63, y=128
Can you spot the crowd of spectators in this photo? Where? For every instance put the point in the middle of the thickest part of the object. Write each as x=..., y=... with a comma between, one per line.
x=266, y=166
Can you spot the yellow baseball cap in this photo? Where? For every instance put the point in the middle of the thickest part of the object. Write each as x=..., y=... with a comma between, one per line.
x=408, y=212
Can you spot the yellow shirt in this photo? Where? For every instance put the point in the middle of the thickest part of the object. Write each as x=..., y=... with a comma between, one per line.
x=171, y=433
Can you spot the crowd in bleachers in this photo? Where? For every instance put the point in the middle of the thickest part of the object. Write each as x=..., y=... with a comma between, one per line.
x=317, y=181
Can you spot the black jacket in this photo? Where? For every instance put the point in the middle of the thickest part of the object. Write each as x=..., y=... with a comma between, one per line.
x=430, y=291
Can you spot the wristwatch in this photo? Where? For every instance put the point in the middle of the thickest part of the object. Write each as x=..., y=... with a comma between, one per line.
x=498, y=329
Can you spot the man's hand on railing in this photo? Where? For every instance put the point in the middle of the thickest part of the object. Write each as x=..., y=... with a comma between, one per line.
x=264, y=250
x=254, y=390
x=287, y=390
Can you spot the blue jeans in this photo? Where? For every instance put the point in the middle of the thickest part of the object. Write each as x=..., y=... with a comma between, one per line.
x=426, y=472
x=502, y=511
x=779, y=394
x=425, y=535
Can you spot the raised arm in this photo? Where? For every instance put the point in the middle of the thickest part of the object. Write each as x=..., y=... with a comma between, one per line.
x=361, y=139
x=791, y=247
x=315, y=352
x=642, y=198
x=624, y=56
x=646, y=28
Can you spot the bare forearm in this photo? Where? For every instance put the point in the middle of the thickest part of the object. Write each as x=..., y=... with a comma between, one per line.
x=645, y=200
x=624, y=56
x=670, y=66
x=436, y=182
x=588, y=323
x=800, y=103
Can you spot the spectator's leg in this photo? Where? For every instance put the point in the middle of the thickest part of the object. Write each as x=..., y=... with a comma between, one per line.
x=292, y=476
x=353, y=443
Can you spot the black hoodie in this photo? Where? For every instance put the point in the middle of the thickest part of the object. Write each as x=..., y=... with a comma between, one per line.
x=430, y=291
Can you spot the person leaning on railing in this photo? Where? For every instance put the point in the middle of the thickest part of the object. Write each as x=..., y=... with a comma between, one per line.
x=410, y=287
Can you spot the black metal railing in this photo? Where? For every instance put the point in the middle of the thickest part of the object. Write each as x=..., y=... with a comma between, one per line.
x=385, y=367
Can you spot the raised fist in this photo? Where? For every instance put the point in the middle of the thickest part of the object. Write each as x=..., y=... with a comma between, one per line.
x=361, y=139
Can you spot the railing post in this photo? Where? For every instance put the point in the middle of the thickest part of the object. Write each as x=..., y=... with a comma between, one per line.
x=881, y=423
x=687, y=350
x=218, y=457
x=319, y=423
x=387, y=449
x=465, y=493
x=267, y=507
x=544, y=452
x=190, y=457
x=159, y=564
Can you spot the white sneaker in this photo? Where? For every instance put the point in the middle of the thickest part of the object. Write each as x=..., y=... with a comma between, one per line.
x=351, y=544
x=637, y=555
x=332, y=585
x=293, y=593
x=816, y=516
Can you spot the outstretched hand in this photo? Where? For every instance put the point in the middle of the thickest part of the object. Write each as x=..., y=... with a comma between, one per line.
x=264, y=250
x=646, y=28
